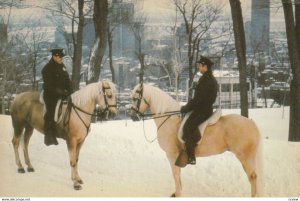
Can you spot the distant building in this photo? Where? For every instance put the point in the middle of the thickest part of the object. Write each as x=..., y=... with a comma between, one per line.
x=89, y=33
x=229, y=90
x=123, y=38
x=260, y=26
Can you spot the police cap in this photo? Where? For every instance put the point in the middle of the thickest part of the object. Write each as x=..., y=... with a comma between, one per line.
x=205, y=61
x=58, y=52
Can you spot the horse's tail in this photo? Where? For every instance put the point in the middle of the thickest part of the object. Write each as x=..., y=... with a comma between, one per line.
x=259, y=168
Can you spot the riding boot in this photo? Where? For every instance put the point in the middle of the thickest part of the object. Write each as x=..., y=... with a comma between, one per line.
x=50, y=132
x=190, y=150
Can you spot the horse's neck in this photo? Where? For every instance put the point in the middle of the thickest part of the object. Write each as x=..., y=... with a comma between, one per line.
x=89, y=106
x=162, y=104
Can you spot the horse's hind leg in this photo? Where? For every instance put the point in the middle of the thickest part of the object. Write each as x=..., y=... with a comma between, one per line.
x=16, y=142
x=27, y=135
x=248, y=165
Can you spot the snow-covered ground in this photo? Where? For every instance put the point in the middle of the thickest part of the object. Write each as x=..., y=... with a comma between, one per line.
x=117, y=161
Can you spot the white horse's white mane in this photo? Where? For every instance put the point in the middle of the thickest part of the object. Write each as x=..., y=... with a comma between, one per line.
x=159, y=100
x=89, y=92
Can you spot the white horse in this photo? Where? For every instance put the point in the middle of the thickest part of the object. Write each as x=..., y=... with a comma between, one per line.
x=232, y=132
x=27, y=114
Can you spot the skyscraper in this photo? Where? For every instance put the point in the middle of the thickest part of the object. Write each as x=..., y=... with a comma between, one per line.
x=260, y=26
x=123, y=39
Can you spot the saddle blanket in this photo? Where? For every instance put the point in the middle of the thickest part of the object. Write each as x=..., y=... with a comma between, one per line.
x=210, y=121
x=58, y=114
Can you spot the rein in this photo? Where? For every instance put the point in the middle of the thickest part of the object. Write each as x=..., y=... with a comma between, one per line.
x=71, y=105
x=150, y=115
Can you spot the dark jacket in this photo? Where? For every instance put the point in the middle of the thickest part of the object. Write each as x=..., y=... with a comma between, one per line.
x=56, y=80
x=204, y=97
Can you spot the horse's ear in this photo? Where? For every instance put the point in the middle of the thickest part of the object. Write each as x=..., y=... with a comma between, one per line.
x=108, y=89
x=140, y=87
x=106, y=84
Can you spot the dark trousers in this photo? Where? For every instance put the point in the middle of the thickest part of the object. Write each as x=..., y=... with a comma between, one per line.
x=50, y=103
x=191, y=133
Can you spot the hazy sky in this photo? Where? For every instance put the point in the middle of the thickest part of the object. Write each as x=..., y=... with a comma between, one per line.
x=159, y=7
x=152, y=9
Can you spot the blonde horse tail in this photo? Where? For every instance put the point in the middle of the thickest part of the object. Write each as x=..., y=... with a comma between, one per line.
x=259, y=168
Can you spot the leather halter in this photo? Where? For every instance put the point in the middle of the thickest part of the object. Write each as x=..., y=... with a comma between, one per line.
x=140, y=93
x=104, y=112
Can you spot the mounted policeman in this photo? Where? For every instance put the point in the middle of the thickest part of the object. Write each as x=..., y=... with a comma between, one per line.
x=57, y=85
x=201, y=106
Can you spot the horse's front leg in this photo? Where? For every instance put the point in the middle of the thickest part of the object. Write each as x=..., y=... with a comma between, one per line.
x=72, y=148
x=77, y=177
x=176, y=175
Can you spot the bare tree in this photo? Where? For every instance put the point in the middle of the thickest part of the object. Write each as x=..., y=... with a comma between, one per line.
x=31, y=41
x=292, y=28
x=75, y=12
x=198, y=17
x=240, y=44
x=11, y=70
x=100, y=22
x=117, y=16
x=137, y=28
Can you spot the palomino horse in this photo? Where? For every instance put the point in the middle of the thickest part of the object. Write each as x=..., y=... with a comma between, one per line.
x=27, y=114
x=231, y=133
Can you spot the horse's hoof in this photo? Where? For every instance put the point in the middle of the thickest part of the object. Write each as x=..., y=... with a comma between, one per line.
x=21, y=170
x=30, y=169
x=77, y=187
x=173, y=195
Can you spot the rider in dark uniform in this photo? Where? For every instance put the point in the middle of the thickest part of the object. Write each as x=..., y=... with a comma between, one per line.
x=201, y=106
x=57, y=84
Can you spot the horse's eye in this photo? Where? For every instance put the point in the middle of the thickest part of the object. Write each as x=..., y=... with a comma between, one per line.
x=108, y=94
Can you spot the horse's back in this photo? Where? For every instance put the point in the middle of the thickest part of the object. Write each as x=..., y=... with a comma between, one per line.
x=232, y=132
x=24, y=100
x=236, y=121
x=25, y=107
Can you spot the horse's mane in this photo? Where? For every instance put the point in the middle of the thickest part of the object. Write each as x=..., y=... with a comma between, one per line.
x=160, y=100
x=90, y=91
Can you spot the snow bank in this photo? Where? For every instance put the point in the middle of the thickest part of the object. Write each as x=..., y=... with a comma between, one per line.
x=117, y=161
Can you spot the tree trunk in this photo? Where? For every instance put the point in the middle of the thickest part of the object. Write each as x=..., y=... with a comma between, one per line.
x=141, y=57
x=34, y=71
x=191, y=58
x=240, y=45
x=110, y=41
x=78, y=48
x=297, y=19
x=100, y=22
x=293, y=48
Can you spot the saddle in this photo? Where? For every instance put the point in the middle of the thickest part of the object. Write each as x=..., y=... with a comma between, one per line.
x=58, y=108
x=210, y=121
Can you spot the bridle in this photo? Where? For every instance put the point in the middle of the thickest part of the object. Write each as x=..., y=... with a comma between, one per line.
x=138, y=115
x=107, y=106
x=103, y=114
x=139, y=99
x=140, y=93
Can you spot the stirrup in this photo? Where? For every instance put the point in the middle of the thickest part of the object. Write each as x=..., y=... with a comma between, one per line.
x=182, y=159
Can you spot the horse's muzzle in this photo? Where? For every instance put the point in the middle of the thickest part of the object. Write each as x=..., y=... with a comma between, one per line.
x=134, y=114
x=107, y=114
x=135, y=117
x=112, y=113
